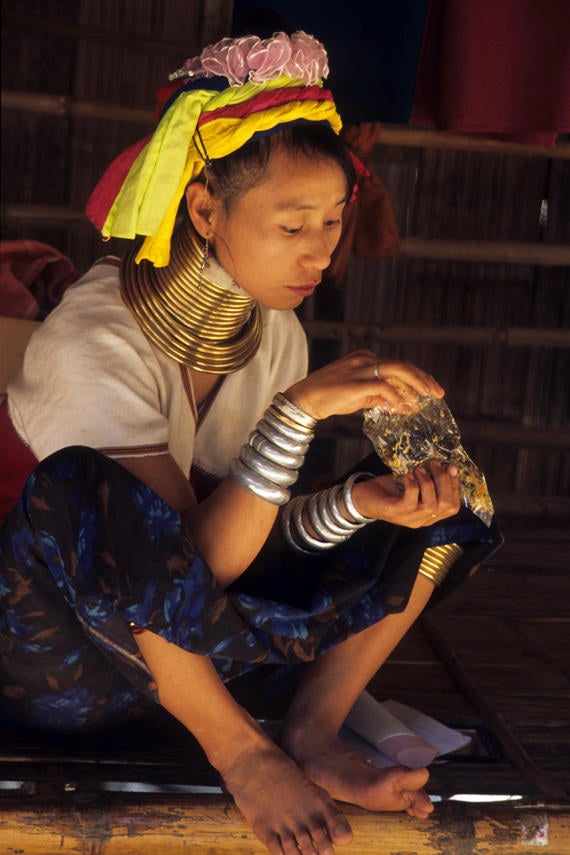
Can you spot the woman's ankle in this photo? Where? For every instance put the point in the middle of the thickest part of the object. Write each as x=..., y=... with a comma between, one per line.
x=300, y=736
x=227, y=750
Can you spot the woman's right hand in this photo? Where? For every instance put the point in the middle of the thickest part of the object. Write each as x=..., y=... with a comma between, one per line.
x=350, y=384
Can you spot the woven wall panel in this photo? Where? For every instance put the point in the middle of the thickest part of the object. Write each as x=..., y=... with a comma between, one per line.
x=118, y=52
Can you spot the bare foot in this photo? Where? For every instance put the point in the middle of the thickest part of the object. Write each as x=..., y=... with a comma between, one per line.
x=347, y=776
x=289, y=813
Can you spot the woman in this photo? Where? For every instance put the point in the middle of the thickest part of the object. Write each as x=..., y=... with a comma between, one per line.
x=124, y=579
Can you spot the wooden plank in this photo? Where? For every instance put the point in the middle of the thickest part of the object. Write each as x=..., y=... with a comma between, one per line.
x=211, y=825
x=545, y=507
x=422, y=138
x=59, y=215
x=41, y=102
x=462, y=336
x=496, y=723
x=472, y=430
x=64, y=105
x=410, y=247
x=101, y=35
x=486, y=251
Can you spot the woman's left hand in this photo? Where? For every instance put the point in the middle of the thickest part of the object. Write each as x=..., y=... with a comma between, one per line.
x=421, y=498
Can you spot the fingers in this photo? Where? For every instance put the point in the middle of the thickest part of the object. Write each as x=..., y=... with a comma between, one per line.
x=386, y=371
x=409, y=374
x=439, y=491
x=420, y=498
x=360, y=381
x=397, y=385
x=401, y=384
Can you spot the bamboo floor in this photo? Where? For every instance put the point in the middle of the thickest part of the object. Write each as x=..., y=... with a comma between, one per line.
x=492, y=659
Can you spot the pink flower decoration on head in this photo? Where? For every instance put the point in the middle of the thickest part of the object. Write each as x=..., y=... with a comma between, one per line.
x=268, y=59
x=300, y=56
x=229, y=58
x=309, y=60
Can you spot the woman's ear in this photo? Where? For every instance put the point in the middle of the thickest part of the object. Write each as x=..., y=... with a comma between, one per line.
x=201, y=208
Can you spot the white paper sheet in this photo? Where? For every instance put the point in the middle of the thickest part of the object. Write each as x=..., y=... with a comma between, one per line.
x=391, y=733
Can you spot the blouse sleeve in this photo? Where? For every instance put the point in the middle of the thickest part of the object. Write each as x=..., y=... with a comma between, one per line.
x=90, y=378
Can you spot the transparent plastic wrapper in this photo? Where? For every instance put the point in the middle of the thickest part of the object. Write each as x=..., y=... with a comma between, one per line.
x=404, y=441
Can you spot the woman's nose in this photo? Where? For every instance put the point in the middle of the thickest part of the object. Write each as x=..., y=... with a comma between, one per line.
x=317, y=253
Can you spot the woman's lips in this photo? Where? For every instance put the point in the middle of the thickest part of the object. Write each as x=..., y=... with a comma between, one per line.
x=304, y=290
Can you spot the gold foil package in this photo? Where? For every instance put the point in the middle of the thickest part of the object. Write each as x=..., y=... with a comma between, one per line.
x=404, y=441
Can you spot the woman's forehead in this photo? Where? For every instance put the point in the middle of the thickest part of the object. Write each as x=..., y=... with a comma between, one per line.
x=298, y=182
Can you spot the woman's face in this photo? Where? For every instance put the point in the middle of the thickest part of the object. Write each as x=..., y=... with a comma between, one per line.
x=279, y=236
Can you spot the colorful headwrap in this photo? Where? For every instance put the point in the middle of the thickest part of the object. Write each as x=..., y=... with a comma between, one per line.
x=273, y=82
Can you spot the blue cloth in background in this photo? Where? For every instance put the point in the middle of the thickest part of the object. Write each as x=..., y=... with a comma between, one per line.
x=373, y=50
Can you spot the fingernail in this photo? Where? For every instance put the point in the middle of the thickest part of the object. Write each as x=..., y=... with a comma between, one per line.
x=341, y=828
x=452, y=470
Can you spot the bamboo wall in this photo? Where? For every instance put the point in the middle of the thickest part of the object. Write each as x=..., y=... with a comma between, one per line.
x=479, y=295
x=78, y=84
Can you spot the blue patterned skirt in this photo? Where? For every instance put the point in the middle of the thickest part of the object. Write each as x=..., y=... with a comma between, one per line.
x=90, y=551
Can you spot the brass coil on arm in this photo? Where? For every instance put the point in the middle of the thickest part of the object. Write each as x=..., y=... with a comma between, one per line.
x=437, y=561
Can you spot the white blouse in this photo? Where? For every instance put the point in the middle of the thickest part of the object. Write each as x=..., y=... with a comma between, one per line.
x=91, y=377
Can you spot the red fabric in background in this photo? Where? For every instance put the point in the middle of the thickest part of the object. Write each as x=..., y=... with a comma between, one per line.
x=496, y=68
x=33, y=277
x=369, y=228
x=16, y=462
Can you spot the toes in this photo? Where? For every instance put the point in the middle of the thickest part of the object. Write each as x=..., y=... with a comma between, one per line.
x=419, y=804
x=339, y=830
x=329, y=826
x=289, y=844
x=300, y=842
x=412, y=779
x=317, y=839
x=305, y=843
x=273, y=843
x=322, y=842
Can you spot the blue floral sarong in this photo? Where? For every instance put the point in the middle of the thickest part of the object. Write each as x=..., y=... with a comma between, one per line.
x=90, y=551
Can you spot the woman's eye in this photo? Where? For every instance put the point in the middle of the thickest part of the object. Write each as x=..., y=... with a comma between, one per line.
x=328, y=224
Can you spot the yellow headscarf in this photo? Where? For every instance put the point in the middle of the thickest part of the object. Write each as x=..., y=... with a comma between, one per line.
x=205, y=123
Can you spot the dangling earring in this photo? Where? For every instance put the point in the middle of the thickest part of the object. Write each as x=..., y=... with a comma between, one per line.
x=205, y=263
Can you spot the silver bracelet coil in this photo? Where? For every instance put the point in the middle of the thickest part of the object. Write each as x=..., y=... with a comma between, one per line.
x=286, y=530
x=334, y=510
x=319, y=524
x=258, y=485
x=347, y=496
x=270, y=460
x=294, y=412
x=274, y=452
x=325, y=516
x=288, y=421
x=279, y=475
x=298, y=434
x=277, y=438
x=329, y=520
x=301, y=530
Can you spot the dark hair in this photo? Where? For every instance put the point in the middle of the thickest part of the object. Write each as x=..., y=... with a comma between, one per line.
x=231, y=176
